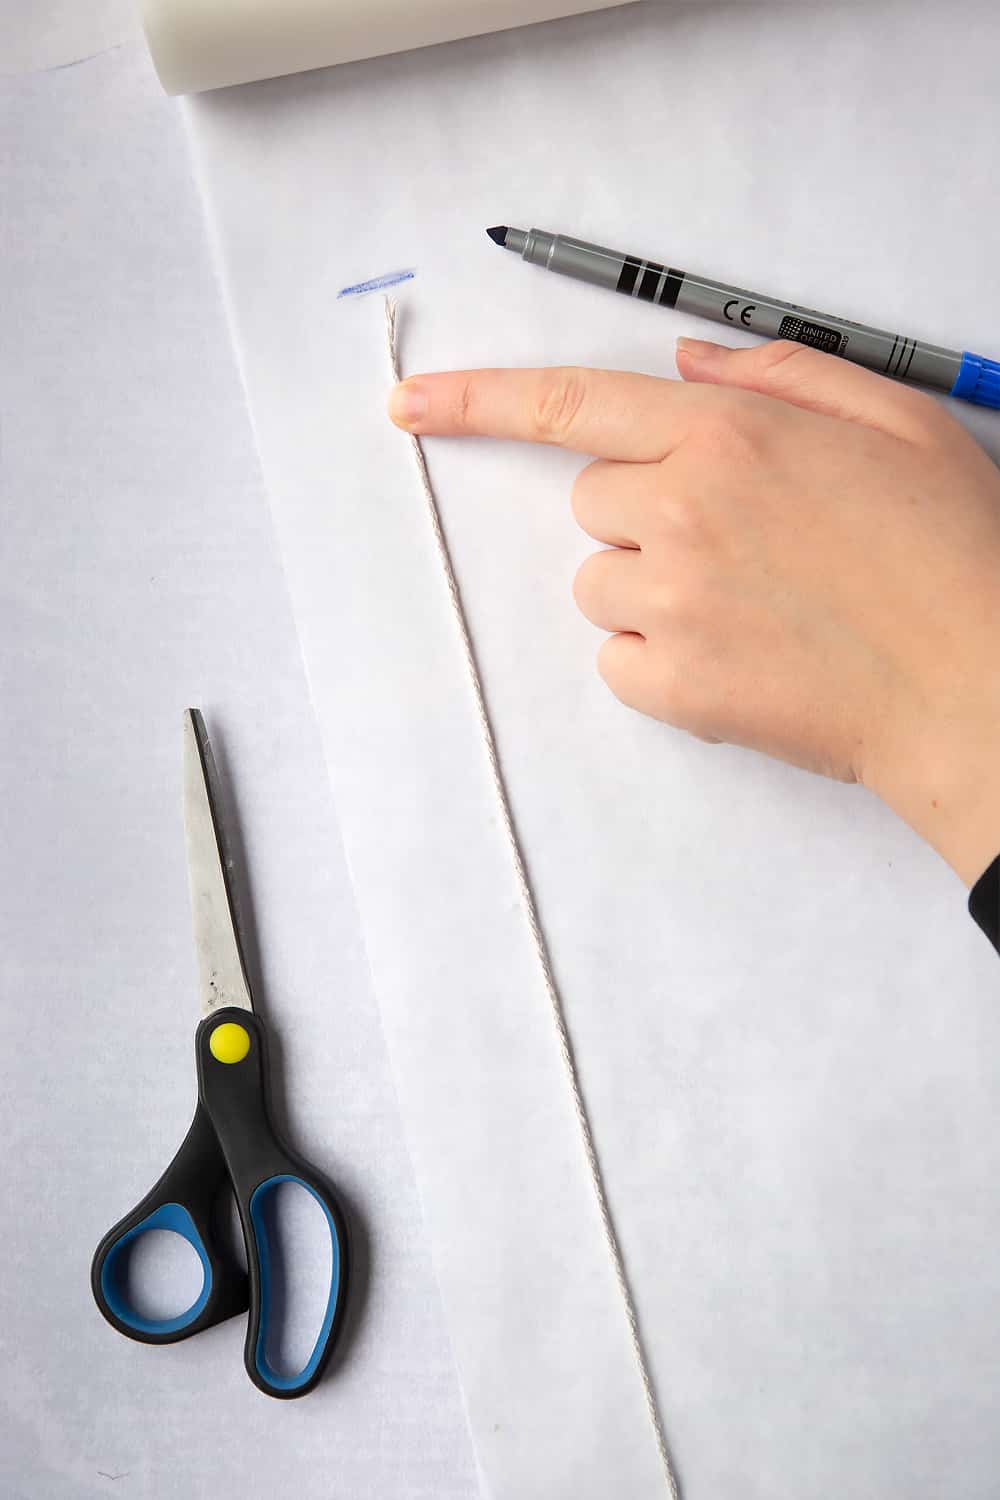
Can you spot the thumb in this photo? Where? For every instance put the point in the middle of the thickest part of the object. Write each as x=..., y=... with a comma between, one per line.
x=805, y=377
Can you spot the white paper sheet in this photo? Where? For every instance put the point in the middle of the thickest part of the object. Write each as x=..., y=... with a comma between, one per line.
x=36, y=35
x=140, y=575
x=786, y=1024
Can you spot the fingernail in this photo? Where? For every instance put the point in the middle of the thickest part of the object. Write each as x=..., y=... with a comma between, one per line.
x=699, y=349
x=407, y=404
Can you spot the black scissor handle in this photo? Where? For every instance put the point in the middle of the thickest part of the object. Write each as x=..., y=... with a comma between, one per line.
x=232, y=1086
x=232, y=1140
x=183, y=1201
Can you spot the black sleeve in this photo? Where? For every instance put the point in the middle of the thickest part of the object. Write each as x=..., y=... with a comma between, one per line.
x=984, y=902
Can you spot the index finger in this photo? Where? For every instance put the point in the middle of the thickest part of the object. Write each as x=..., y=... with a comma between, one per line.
x=608, y=413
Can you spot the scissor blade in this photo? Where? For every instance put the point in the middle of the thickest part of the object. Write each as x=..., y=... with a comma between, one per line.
x=216, y=929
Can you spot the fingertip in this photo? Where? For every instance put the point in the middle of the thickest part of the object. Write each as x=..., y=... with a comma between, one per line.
x=407, y=404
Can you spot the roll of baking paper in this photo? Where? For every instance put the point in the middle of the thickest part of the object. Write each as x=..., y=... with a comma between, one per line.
x=208, y=44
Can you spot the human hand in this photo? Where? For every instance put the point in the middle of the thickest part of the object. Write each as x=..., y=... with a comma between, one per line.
x=804, y=558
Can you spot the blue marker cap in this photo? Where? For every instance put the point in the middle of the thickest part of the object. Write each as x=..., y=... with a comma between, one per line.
x=978, y=380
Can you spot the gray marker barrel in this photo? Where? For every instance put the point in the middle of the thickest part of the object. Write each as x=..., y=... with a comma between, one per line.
x=968, y=376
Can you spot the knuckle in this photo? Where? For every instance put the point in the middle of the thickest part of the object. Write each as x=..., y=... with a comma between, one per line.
x=682, y=518
x=463, y=403
x=666, y=600
x=557, y=403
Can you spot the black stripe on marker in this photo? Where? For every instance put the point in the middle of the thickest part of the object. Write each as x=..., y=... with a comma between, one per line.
x=650, y=280
x=903, y=373
x=671, y=287
x=629, y=271
x=892, y=351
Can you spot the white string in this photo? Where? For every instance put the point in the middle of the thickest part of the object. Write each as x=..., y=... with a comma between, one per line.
x=538, y=937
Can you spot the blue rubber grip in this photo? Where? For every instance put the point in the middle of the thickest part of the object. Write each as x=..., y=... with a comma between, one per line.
x=174, y=1217
x=281, y=1382
x=978, y=380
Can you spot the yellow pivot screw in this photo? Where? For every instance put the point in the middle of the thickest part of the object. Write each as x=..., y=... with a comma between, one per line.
x=229, y=1042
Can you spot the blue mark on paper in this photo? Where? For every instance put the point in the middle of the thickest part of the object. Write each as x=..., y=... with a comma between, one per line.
x=376, y=284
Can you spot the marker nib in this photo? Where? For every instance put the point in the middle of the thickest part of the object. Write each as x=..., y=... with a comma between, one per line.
x=498, y=234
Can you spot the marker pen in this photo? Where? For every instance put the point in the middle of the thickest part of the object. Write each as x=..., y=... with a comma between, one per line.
x=968, y=376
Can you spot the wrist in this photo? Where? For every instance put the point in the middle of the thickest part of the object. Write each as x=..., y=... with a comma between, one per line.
x=946, y=786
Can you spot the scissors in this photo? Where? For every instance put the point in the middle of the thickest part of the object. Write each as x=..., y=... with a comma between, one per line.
x=231, y=1139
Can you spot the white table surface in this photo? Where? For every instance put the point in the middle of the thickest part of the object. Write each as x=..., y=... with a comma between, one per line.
x=823, y=1318
x=140, y=575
